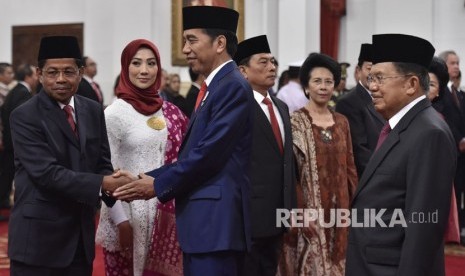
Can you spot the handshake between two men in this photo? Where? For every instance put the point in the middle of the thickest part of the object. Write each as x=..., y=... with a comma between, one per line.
x=124, y=186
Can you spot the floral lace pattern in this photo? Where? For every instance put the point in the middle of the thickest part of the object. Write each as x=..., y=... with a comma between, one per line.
x=136, y=147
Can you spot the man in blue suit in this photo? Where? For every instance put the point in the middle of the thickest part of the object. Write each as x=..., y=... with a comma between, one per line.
x=210, y=179
x=63, y=165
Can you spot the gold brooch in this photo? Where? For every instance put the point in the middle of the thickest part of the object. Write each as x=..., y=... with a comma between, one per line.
x=156, y=123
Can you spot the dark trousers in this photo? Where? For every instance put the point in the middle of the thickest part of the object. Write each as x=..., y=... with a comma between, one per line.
x=78, y=267
x=262, y=260
x=222, y=263
x=7, y=174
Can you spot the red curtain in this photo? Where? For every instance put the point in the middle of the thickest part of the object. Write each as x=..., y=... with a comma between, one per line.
x=330, y=24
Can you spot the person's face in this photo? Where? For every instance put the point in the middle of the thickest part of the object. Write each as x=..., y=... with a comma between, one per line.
x=33, y=80
x=260, y=72
x=60, y=78
x=143, y=69
x=201, y=51
x=433, y=87
x=453, y=65
x=390, y=89
x=320, y=85
x=175, y=83
x=7, y=76
x=363, y=72
x=90, y=68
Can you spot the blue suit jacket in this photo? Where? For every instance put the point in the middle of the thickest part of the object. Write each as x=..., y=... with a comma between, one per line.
x=58, y=179
x=210, y=179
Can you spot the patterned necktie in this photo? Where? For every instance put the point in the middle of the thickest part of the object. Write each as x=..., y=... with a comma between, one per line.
x=382, y=136
x=97, y=91
x=274, y=124
x=69, y=117
x=201, y=95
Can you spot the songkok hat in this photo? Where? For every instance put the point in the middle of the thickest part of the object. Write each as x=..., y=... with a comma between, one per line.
x=294, y=69
x=209, y=17
x=366, y=52
x=59, y=47
x=344, y=66
x=251, y=46
x=402, y=48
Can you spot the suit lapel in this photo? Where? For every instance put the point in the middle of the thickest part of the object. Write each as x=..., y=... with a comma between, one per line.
x=392, y=139
x=211, y=89
x=83, y=120
x=55, y=114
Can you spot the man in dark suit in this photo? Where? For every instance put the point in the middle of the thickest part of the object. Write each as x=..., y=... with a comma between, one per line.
x=88, y=87
x=404, y=192
x=191, y=96
x=454, y=113
x=210, y=179
x=23, y=91
x=357, y=105
x=61, y=157
x=272, y=176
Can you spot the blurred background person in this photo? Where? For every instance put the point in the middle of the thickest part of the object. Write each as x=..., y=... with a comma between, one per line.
x=454, y=113
x=327, y=176
x=144, y=132
x=88, y=87
x=191, y=96
x=357, y=105
x=438, y=79
x=23, y=91
x=292, y=93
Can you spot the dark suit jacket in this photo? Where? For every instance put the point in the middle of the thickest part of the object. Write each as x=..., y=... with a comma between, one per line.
x=210, y=179
x=57, y=181
x=272, y=175
x=17, y=96
x=191, y=98
x=365, y=124
x=85, y=89
x=411, y=172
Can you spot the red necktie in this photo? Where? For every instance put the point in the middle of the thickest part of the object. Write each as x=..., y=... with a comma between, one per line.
x=274, y=124
x=382, y=136
x=203, y=90
x=96, y=88
x=69, y=116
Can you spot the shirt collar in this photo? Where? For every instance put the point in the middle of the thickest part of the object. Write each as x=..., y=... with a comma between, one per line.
x=71, y=103
x=213, y=73
x=398, y=116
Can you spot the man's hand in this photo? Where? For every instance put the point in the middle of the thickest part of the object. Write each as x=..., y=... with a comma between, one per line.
x=117, y=179
x=139, y=189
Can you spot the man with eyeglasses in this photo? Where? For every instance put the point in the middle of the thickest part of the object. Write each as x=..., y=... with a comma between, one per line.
x=357, y=105
x=63, y=167
x=405, y=190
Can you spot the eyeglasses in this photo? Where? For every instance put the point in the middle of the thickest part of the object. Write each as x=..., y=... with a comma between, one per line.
x=67, y=73
x=380, y=79
x=319, y=82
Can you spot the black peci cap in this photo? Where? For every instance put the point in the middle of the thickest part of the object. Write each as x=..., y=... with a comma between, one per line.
x=251, y=46
x=402, y=48
x=59, y=47
x=366, y=52
x=209, y=17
